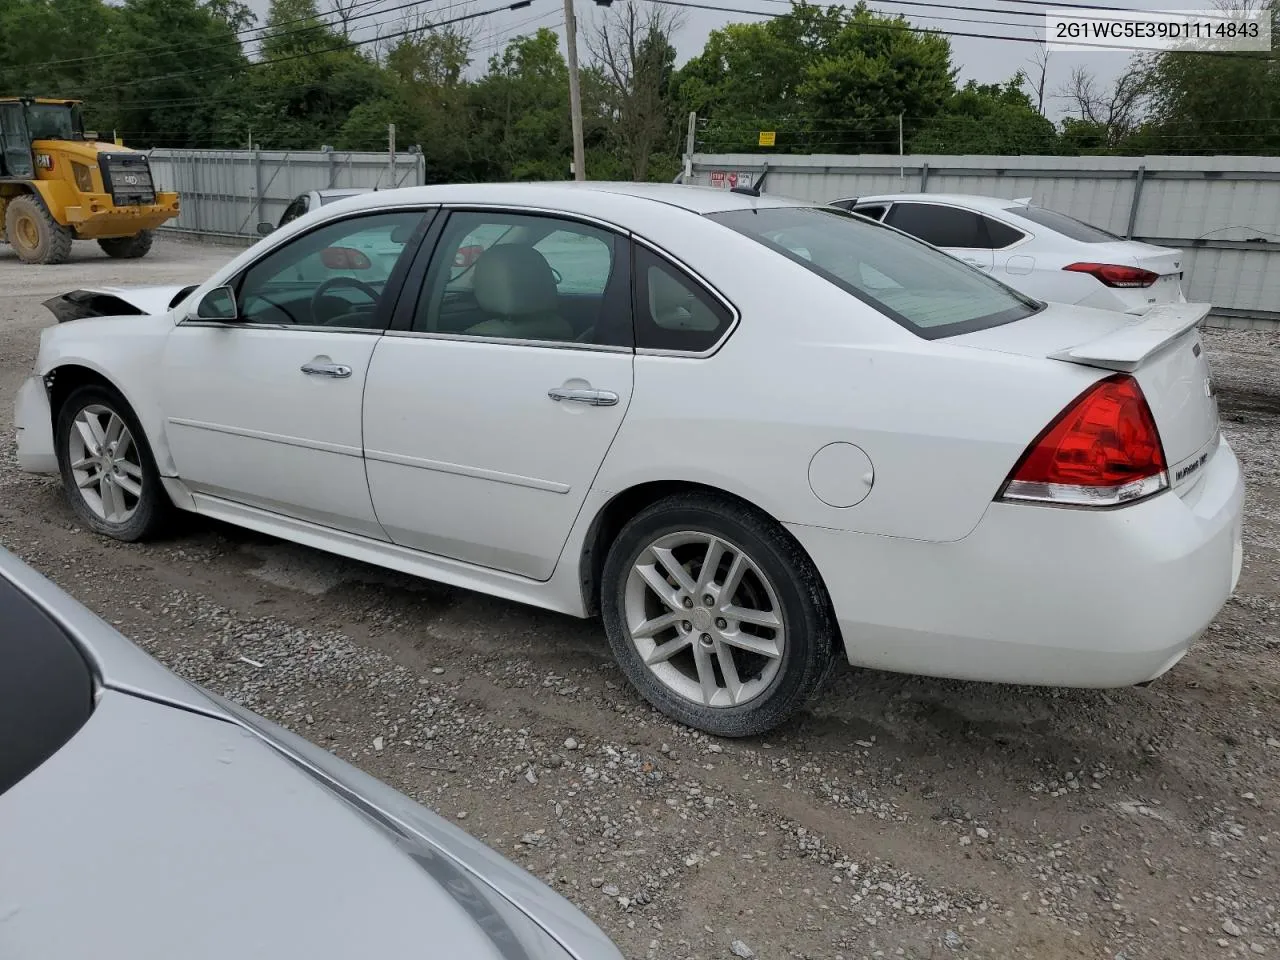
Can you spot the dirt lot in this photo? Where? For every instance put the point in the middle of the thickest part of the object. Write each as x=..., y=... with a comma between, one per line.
x=901, y=817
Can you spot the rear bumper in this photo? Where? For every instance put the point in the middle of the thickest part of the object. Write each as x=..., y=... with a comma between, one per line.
x=1043, y=595
x=97, y=217
x=35, y=429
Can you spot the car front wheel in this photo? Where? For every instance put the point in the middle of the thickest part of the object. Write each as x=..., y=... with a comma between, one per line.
x=107, y=468
x=716, y=616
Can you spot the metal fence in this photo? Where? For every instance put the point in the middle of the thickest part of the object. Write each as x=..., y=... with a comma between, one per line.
x=1223, y=212
x=225, y=193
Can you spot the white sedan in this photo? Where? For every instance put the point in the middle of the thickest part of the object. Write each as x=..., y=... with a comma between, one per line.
x=753, y=434
x=1046, y=254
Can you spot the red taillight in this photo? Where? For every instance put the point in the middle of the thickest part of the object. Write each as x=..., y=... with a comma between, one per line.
x=1116, y=275
x=1103, y=450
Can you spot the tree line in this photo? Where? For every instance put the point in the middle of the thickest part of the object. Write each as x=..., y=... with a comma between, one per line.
x=204, y=73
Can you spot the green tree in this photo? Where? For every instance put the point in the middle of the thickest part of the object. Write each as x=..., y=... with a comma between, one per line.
x=824, y=79
x=50, y=47
x=174, y=66
x=1217, y=103
x=309, y=81
x=521, y=111
x=993, y=118
x=635, y=61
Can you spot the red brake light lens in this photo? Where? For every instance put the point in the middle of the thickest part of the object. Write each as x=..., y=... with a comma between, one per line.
x=1102, y=451
x=1116, y=275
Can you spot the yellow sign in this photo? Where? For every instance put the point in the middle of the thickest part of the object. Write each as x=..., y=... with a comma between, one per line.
x=768, y=138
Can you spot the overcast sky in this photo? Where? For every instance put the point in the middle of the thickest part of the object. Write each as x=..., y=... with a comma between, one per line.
x=984, y=60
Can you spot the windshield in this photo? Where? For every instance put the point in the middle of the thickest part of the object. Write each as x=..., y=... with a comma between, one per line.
x=1069, y=227
x=928, y=292
x=53, y=121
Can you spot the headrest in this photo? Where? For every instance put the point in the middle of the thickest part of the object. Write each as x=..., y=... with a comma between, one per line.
x=674, y=305
x=513, y=280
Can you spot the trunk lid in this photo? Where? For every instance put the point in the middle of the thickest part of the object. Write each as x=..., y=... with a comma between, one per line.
x=1160, y=348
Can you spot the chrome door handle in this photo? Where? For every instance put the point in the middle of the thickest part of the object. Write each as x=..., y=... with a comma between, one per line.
x=336, y=370
x=595, y=398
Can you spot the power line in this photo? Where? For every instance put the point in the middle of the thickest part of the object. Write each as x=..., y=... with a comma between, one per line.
x=341, y=46
x=238, y=96
x=905, y=28
x=313, y=23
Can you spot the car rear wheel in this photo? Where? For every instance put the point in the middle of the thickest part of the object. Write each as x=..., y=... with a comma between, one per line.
x=716, y=616
x=34, y=234
x=127, y=248
x=107, y=467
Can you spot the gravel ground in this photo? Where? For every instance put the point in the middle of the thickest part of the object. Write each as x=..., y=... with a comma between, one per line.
x=900, y=817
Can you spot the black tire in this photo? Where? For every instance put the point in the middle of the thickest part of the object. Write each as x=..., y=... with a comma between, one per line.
x=806, y=614
x=34, y=234
x=152, y=511
x=128, y=248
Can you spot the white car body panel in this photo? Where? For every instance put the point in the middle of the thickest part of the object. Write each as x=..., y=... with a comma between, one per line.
x=1035, y=263
x=244, y=422
x=469, y=486
x=502, y=495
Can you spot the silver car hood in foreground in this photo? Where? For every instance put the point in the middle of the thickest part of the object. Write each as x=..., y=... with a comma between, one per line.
x=176, y=825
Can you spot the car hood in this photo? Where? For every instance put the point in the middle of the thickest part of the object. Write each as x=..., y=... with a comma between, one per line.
x=270, y=769
x=159, y=833
x=116, y=301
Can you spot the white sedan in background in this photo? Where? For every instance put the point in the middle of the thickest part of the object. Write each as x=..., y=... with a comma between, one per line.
x=1041, y=252
x=754, y=434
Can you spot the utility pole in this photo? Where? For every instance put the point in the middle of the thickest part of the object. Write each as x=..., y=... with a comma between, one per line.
x=575, y=91
x=902, y=170
x=391, y=152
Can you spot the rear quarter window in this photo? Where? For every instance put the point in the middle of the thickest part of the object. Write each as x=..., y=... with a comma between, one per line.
x=1069, y=227
x=928, y=292
x=46, y=687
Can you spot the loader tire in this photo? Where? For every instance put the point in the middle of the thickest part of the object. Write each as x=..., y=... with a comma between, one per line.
x=34, y=234
x=127, y=248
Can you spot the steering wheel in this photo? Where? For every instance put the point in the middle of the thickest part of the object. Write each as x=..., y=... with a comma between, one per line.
x=332, y=282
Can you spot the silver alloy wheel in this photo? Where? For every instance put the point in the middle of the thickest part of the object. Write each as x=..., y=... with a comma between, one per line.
x=105, y=463
x=705, y=619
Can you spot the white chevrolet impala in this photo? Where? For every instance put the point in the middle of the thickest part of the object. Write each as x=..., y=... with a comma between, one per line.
x=755, y=435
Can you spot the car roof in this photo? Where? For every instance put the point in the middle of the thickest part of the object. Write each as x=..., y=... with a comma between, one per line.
x=599, y=196
x=971, y=200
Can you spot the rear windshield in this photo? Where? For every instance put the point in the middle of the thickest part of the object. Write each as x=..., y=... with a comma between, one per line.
x=930, y=293
x=1069, y=227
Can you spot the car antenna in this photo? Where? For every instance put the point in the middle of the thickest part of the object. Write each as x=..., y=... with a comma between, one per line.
x=756, y=188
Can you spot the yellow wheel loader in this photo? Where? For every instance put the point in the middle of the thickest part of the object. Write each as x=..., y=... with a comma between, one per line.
x=57, y=185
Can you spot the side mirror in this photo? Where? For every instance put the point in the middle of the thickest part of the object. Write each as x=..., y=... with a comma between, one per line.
x=264, y=229
x=218, y=304
x=344, y=258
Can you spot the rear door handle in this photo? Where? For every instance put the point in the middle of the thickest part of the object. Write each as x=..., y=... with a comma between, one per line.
x=318, y=368
x=595, y=398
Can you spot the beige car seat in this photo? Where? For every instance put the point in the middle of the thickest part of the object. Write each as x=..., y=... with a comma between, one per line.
x=514, y=284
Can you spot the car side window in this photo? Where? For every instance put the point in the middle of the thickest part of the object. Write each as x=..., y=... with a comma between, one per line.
x=335, y=276
x=519, y=277
x=874, y=211
x=294, y=211
x=936, y=224
x=1000, y=235
x=674, y=311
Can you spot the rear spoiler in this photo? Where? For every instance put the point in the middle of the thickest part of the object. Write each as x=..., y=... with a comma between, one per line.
x=1126, y=348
